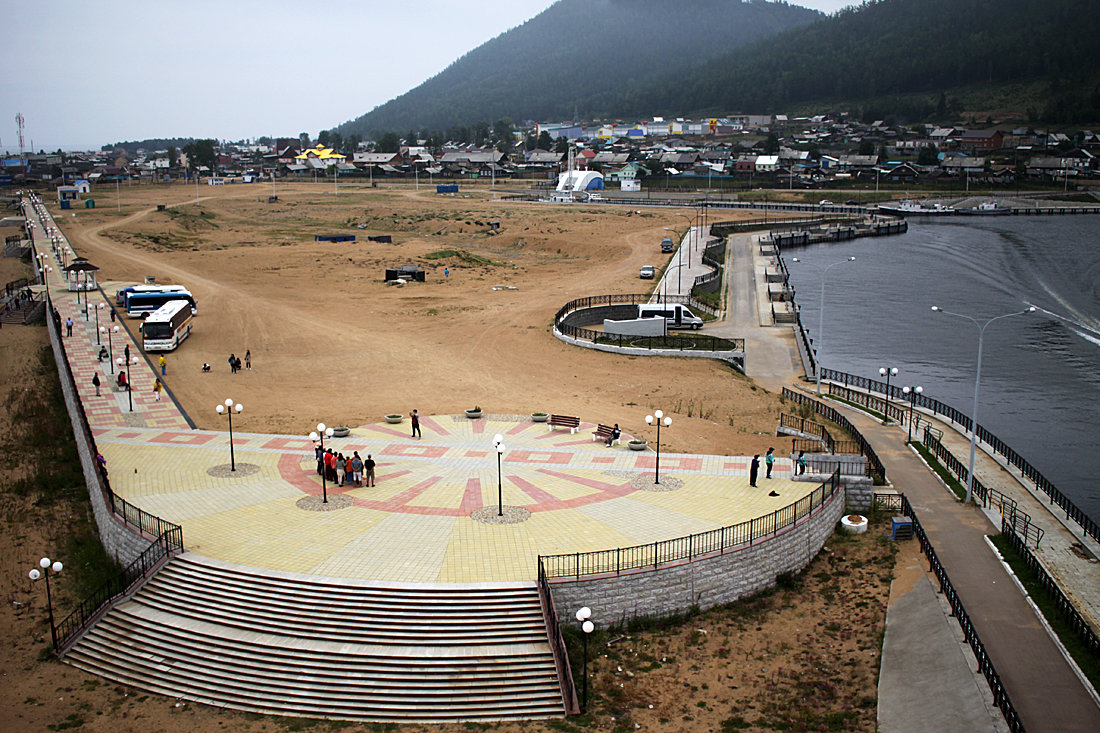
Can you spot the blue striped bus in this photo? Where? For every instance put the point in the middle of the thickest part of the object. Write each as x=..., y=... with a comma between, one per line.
x=139, y=305
x=122, y=294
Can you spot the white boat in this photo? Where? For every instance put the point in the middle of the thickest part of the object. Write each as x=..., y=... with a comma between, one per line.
x=912, y=207
x=987, y=208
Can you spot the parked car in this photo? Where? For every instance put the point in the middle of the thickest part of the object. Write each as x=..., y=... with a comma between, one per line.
x=648, y=272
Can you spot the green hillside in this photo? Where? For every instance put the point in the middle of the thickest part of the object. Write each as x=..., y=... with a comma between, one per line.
x=580, y=58
x=904, y=47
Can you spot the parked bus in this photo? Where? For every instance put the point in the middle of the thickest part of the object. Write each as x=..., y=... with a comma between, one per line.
x=139, y=305
x=167, y=326
x=124, y=293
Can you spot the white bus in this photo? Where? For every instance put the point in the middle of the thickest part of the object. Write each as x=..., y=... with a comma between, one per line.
x=167, y=327
x=140, y=305
x=124, y=293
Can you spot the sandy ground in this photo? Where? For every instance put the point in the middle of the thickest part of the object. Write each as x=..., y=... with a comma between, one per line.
x=332, y=342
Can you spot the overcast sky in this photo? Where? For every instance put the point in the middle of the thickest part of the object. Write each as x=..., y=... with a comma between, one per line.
x=84, y=74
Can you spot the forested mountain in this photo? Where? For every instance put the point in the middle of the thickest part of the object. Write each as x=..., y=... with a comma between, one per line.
x=580, y=58
x=898, y=47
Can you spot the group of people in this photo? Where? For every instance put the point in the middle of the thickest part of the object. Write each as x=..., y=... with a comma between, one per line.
x=341, y=470
x=235, y=362
x=769, y=462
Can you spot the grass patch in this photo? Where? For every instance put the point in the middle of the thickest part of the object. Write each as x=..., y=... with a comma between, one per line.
x=462, y=256
x=1074, y=644
x=946, y=476
x=862, y=408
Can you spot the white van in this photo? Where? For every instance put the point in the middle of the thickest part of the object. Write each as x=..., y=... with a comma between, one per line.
x=675, y=315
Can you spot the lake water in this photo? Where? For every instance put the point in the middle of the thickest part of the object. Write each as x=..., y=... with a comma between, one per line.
x=1040, y=385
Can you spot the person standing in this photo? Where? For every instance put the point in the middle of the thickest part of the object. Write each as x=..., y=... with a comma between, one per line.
x=232, y=363
x=368, y=469
x=341, y=468
x=801, y=462
x=356, y=469
x=754, y=470
x=769, y=459
x=157, y=387
x=68, y=326
x=95, y=382
x=248, y=359
x=415, y=419
x=163, y=365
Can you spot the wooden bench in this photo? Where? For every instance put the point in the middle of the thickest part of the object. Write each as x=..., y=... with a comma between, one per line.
x=564, y=421
x=603, y=432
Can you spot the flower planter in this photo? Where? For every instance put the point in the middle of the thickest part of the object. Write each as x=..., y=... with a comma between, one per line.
x=539, y=417
x=394, y=419
x=341, y=432
x=637, y=445
x=853, y=524
x=473, y=414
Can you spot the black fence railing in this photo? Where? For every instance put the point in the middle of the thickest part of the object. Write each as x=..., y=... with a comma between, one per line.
x=998, y=446
x=1016, y=518
x=985, y=664
x=875, y=469
x=685, y=342
x=557, y=644
x=656, y=554
x=1066, y=608
x=879, y=404
x=92, y=607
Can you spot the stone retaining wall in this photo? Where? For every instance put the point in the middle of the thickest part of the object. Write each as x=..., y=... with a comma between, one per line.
x=123, y=543
x=706, y=581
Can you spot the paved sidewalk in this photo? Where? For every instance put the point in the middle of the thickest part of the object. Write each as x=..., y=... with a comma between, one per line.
x=927, y=681
x=1041, y=684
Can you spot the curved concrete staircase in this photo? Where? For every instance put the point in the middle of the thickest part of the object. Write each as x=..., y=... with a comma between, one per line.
x=234, y=637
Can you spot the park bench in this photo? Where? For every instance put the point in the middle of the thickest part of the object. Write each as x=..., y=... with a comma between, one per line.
x=603, y=432
x=564, y=421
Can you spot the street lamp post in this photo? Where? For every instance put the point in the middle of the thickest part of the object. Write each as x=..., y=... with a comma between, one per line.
x=35, y=574
x=977, y=383
x=498, y=443
x=229, y=408
x=125, y=363
x=656, y=418
x=583, y=615
x=321, y=433
x=887, y=372
x=911, y=393
x=821, y=318
x=44, y=270
x=110, y=344
x=98, y=308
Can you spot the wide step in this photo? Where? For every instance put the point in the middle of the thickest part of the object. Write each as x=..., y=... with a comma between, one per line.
x=275, y=644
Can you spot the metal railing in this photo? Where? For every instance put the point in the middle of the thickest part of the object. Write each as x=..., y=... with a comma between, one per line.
x=985, y=664
x=1069, y=612
x=875, y=469
x=693, y=342
x=654, y=555
x=557, y=644
x=998, y=446
x=1019, y=520
x=879, y=404
x=95, y=605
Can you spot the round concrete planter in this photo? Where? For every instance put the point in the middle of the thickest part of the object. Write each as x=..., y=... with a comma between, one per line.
x=539, y=417
x=394, y=419
x=853, y=524
x=473, y=414
x=341, y=432
x=637, y=445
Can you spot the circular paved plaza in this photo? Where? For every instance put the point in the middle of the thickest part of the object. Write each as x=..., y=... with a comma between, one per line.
x=431, y=516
